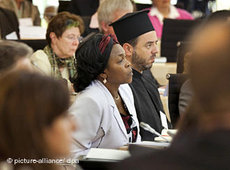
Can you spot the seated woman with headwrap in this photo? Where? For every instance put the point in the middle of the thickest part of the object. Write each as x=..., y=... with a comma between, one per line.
x=104, y=108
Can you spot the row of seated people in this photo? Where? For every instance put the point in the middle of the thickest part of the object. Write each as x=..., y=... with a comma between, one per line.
x=100, y=20
x=203, y=133
x=101, y=73
x=105, y=110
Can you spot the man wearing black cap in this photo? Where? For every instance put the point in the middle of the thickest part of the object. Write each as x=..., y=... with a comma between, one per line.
x=137, y=36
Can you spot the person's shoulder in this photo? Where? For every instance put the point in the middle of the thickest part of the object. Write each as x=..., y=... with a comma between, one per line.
x=93, y=96
x=41, y=61
x=184, y=14
x=39, y=54
x=94, y=92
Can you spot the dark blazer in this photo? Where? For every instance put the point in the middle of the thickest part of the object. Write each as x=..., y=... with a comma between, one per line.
x=147, y=103
x=83, y=7
x=8, y=23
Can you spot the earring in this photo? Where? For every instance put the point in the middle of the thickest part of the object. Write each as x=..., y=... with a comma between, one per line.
x=104, y=81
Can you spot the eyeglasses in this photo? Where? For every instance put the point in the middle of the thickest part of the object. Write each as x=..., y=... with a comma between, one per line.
x=74, y=38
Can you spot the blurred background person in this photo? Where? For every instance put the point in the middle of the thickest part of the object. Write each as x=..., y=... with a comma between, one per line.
x=57, y=58
x=186, y=92
x=104, y=108
x=91, y=22
x=23, y=9
x=163, y=9
x=9, y=24
x=49, y=13
x=111, y=10
x=14, y=56
x=34, y=121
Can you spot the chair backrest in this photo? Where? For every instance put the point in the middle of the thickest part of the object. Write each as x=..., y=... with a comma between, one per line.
x=63, y=6
x=35, y=44
x=181, y=51
x=175, y=83
x=173, y=32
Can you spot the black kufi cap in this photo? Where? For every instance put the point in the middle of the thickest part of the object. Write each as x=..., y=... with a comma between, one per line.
x=132, y=25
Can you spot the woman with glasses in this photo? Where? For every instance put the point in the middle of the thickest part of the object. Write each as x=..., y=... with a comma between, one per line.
x=57, y=58
x=104, y=107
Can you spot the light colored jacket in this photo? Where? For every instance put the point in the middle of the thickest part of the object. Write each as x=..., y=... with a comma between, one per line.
x=98, y=120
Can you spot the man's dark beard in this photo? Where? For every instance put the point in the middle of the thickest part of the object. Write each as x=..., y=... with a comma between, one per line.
x=139, y=63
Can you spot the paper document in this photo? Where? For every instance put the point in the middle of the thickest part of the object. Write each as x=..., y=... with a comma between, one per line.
x=160, y=60
x=12, y=36
x=32, y=32
x=111, y=154
x=163, y=120
x=25, y=22
x=151, y=144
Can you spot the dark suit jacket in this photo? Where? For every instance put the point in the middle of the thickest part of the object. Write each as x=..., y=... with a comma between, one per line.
x=147, y=103
x=83, y=7
x=8, y=23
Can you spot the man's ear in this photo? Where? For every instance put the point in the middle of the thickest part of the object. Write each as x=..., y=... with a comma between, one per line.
x=128, y=50
x=104, y=27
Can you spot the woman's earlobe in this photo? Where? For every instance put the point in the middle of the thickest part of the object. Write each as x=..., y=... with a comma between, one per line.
x=103, y=76
x=52, y=35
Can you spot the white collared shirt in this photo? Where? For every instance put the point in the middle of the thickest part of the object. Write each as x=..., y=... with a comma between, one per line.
x=173, y=13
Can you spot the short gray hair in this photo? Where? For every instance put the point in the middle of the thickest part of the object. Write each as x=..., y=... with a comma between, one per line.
x=108, y=7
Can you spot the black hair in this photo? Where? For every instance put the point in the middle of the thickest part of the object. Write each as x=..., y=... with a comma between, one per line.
x=91, y=61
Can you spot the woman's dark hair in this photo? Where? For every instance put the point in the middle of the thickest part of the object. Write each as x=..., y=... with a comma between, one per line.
x=29, y=103
x=92, y=58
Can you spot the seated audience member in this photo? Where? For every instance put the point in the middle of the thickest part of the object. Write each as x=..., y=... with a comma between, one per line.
x=14, y=56
x=34, y=121
x=163, y=9
x=110, y=11
x=23, y=9
x=9, y=24
x=49, y=13
x=57, y=58
x=202, y=142
x=140, y=45
x=104, y=108
x=186, y=93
